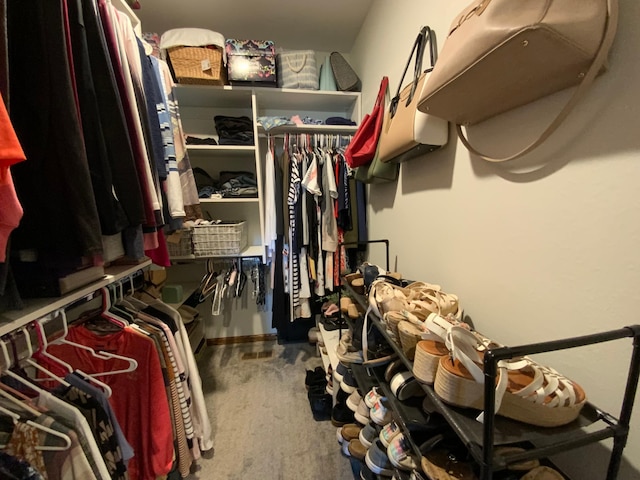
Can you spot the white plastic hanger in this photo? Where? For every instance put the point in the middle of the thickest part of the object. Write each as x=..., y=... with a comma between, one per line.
x=133, y=364
x=38, y=324
x=43, y=351
x=50, y=448
x=31, y=362
x=27, y=408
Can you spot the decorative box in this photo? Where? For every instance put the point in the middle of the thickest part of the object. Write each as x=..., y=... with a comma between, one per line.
x=251, y=62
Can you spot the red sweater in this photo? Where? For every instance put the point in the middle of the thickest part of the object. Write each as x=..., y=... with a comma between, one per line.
x=139, y=398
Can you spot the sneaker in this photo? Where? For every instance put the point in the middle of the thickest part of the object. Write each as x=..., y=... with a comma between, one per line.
x=377, y=460
x=347, y=354
x=372, y=396
x=314, y=335
x=356, y=449
x=348, y=432
x=394, y=367
x=329, y=388
x=388, y=432
x=341, y=396
x=348, y=383
x=368, y=434
x=341, y=415
x=367, y=474
x=400, y=454
x=320, y=403
x=354, y=400
x=315, y=377
x=404, y=386
x=341, y=369
x=380, y=413
x=362, y=413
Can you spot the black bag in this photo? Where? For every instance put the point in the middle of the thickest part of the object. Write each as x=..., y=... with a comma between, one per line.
x=346, y=79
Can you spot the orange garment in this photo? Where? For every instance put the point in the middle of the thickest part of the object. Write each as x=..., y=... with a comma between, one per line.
x=10, y=153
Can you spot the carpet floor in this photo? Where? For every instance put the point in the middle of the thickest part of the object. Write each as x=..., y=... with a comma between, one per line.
x=263, y=428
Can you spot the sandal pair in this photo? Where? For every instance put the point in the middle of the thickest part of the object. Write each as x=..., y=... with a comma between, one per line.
x=525, y=390
x=416, y=301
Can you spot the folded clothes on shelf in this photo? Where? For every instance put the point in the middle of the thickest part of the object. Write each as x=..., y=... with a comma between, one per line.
x=234, y=130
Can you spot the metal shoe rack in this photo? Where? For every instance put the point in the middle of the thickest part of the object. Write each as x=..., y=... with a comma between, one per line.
x=593, y=425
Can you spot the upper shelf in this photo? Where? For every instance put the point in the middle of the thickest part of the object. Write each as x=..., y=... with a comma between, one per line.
x=227, y=150
x=39, y=307
x=324, y=129
x=267, y=98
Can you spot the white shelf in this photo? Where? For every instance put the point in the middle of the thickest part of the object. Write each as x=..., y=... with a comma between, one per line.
x=222, y=149
x=39, y=307
x=323, y=129
x=268, y=98
x=230, y=200
x=212, y=95
x=187, y=290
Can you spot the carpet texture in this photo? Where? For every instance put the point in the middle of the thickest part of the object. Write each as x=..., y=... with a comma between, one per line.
x=263, y=428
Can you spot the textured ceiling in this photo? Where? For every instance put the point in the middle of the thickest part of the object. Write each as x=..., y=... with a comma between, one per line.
x=322, y=25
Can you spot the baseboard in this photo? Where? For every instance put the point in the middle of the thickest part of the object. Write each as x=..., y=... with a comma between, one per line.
x=265, y=337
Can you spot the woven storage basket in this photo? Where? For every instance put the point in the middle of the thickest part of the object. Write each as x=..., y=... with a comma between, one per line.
x=409, y=337
x=179, y=243
x=198, y=65
x=223, y=239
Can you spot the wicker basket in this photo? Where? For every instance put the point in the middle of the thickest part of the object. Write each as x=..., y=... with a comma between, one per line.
x=223, y=239
x=198, y=65
x=179, y=243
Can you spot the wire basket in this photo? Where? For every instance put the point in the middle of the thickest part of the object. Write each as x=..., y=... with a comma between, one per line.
x=198, y=65
x=226, y=238
x=179, y=243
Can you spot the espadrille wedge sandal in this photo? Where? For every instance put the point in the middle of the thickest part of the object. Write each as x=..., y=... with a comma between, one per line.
x=434, y=345
x=525, y=391
x=385, y=297
x=543, y=473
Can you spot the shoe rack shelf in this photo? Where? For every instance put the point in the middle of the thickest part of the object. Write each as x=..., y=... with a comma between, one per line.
x=593, y=425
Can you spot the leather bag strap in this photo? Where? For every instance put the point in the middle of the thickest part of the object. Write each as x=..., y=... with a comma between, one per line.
x=598, y=61
x=384, y=84
x=418, y=51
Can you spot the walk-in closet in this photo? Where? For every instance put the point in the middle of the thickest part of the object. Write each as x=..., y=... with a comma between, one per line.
x=361, y=240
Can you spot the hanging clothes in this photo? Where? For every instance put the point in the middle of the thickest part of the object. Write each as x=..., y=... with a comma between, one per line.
x=138, y=399
x=54, y=185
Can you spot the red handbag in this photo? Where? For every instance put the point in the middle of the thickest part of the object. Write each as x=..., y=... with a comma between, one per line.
x=364, y=143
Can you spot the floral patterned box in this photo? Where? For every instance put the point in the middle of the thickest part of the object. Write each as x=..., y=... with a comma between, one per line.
x=251, y=62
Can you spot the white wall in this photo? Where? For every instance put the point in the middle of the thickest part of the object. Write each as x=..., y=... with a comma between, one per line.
x=542, y=248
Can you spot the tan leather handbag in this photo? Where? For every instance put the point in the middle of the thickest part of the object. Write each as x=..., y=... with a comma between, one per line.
x=407, y=132
x=501, y=54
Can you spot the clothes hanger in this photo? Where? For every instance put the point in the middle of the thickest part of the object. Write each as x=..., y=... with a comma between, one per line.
x=42, y=350
x=111, y=308
x=32, y=363
x=133, y=364
x=209, y=282
x=42, y=345
x=49, y=448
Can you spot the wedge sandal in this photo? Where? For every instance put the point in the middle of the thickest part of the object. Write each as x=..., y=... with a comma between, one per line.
x=543, y=473
x=434, y=346
x=525, y=391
